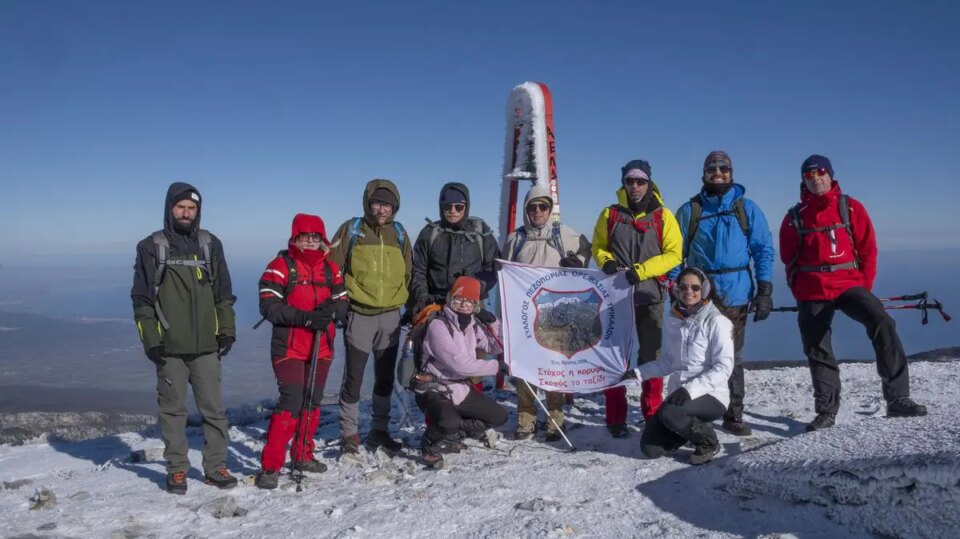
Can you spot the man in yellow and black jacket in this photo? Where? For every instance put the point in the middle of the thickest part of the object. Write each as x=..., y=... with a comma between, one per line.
x=374, y=253
x=640, y=236
x=183, y=305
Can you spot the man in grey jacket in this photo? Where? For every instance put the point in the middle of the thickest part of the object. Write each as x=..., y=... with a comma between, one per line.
x=543, y=241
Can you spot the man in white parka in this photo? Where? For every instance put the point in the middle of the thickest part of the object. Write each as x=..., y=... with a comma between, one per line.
x=698, y=358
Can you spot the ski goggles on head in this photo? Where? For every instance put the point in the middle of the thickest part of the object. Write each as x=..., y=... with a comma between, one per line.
x=694, y=287
x=454, y=206
x=812, y=173
x=713, y=167
x=538, y=206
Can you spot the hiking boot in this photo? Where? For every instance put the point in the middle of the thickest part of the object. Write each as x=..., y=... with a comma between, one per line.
x=221, y=479
x=905, y=407
x=268, y=480
x=824, y=420
x=619, y=430
x=451, y=445
x=350, y=445
x=381, y=438
x=522, y=434
x=309, y=466
x=736, y=427
x=177, y=482
x=703, y=454
x=434, y=461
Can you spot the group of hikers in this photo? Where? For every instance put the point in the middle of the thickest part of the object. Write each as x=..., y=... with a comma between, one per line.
x=712, y=262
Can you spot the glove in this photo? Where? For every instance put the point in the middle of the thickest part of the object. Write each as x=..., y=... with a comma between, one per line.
x=633, y=277
x=486, y=317
x=155, y=355
x=678, y=397
x=571, y=261
x=226, y=343
x=341, y=308
x=319, y=319
x=610, y=267
x=763, y=302
x=631, y=374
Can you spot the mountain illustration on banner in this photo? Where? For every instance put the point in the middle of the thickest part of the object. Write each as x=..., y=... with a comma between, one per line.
x=567, y=322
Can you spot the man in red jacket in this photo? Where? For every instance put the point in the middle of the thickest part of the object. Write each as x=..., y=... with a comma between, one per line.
x=828, y=246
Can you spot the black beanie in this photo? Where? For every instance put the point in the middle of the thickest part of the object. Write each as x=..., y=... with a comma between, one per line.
x=384, y=195
x=186, y=195
x=638, y=164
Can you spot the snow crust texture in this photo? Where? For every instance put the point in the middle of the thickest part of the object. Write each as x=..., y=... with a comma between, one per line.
x=867, y=476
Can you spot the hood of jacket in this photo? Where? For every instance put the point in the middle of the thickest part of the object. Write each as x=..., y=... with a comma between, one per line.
x=308, y=224
x=537, y=191
x=173, y=192
x=456, y=186
x=625, y=202
x=372, y=186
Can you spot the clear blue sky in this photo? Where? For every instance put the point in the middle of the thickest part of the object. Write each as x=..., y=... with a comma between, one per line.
x=273, y=108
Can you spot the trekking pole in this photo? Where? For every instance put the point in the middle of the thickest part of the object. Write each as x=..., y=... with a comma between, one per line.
x=499, y=342
x=923, y=306
x=305, y=408
x=922, y=297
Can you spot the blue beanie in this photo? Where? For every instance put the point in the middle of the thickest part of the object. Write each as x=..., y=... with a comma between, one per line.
x=816, y=161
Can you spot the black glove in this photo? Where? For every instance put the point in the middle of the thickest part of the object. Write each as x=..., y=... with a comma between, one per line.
x=486, y=317
x=318, y=320
x=678, y=397
x=763, y=302
x=341, y=307
x=155, y=355
x=610, y=267
x=571, y=261
x=633, y=277
x=226, y=343
x=631, y=374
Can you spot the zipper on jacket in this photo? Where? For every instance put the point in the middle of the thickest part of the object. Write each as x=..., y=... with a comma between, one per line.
x=196, y=311
x=383, y=267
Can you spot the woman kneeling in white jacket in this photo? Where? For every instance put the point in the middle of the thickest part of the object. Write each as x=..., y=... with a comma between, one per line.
x=698, y=358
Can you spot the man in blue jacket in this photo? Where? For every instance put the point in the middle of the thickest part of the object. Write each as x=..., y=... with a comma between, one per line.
x=722, y=231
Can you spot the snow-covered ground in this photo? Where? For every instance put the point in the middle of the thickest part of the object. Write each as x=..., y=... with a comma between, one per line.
x=867, y=476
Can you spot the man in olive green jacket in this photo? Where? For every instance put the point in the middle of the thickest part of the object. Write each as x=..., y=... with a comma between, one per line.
x=183, y=305
x=374, y=253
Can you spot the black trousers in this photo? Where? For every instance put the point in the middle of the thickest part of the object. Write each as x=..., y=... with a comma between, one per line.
x=815, y=319
x=671, y=426
x=292, y=375
x=736, y=384
x=477, y=412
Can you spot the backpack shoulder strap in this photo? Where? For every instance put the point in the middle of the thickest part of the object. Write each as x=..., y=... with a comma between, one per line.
x=613, y=219
x=843, y=206
x=696, y=211
x=292, y=276
x=797, y=222
x=162, y=245
x=521, y=238
x=401, y=234
x=741, y=212
x=558, y=238
x=205, y=240
x=658, y=224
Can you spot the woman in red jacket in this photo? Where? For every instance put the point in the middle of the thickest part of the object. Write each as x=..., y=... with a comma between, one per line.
x=301, y=293
x=828, y=246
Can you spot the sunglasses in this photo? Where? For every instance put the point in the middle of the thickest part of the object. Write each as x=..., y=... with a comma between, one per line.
x=454, y=206
x=463, y=302
x=722, y=168
x=694, y=287
x=537, y=207
x=311, y=237
x=814, y=172
x=635, y=181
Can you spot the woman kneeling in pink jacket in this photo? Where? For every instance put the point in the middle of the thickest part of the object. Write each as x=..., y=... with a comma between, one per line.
x=444, y=392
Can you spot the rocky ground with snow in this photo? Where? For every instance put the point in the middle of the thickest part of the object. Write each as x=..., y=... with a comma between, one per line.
x=868, y=476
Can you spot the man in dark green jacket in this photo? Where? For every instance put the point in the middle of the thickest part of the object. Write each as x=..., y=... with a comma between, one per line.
x=183, y=305
x=374, y=253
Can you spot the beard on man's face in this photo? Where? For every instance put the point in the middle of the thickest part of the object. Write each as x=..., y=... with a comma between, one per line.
x=183, y=224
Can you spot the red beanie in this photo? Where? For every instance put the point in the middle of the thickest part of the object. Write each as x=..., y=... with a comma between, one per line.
x=467, y=288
